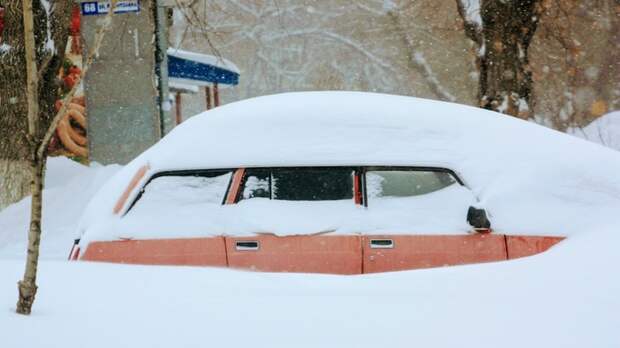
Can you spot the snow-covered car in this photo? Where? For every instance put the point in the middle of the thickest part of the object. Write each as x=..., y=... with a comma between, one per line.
x=337, y=182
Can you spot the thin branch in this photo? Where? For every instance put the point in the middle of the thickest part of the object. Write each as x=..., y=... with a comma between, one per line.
x=46, y=61
x=418, y=62
x=94, y=51
x=193, y=19
x=472, y=29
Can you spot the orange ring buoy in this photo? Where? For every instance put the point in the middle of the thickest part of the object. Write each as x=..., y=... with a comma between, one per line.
x=77, y=137
x=67, y=141
x=76, y=112
x=69, y=137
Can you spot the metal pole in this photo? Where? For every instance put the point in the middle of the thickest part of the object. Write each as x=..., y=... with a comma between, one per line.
x=216, y=95
x=208, y=97
x=177, y=102
x=161, y=67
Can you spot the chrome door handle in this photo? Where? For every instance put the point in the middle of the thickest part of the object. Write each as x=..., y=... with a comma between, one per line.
x=381, y=244
x=247, y=245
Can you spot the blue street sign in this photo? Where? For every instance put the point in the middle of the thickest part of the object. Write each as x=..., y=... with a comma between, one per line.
x=93, y=8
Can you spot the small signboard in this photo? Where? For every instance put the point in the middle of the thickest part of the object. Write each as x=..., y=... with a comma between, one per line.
x=92, y=8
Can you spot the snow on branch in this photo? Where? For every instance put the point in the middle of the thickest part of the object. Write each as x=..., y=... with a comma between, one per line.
x=49, y=42
x=469, y=10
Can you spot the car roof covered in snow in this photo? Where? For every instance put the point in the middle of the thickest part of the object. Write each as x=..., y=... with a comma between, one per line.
x=528, y=176
x=350, y=128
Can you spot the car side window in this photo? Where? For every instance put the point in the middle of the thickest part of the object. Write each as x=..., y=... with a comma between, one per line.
x=299, y=184
x=257, y=184
x=172, y=190
x=405, y=183
x=425, y=198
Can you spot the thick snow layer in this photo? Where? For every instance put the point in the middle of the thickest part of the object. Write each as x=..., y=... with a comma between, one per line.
x=472, y=11
x=4, y=48
x=440, y=212
x=68, y=188
x=182, y=85
x=566, y=297
x=532, y=180
x=204, y=58
x=192, y=206
x=604, y=130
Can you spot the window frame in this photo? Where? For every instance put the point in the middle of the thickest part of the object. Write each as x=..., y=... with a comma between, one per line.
x=354, y=169
x=360, y=196
x=184, y=172
x=366, y=169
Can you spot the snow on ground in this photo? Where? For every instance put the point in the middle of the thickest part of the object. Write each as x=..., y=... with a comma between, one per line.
x=566, y=297
x=604, y=130
x=69, y=187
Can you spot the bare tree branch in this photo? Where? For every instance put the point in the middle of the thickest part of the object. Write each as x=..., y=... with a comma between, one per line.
x=416, y=61
x=472, y=29
x=194, y=20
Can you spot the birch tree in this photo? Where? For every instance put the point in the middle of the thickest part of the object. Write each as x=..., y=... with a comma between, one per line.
x=36, y=36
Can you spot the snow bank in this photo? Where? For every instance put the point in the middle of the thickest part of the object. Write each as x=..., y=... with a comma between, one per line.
x=566, y=297
x=531, y=179
x=441, y=212
x=68, y=188
x=604, y=130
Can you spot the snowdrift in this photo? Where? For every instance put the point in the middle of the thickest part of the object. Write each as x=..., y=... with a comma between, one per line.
x=604, y=130
x=566, y=297
x=69, y=186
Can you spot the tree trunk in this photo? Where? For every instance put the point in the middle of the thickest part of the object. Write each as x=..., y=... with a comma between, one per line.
x=503, y=39
x=15, y=150
x=27, y=287
x=505, y=77
x=14, y=181
x=608, y=84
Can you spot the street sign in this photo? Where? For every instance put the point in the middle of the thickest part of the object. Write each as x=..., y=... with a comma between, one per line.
x=93, y=8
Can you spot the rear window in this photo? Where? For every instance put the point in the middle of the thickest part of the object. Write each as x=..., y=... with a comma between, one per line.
x=299, y=184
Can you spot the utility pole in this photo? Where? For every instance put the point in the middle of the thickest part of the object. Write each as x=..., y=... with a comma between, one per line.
x=161, y=67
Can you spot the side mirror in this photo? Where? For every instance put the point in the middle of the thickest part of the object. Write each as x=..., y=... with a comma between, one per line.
x=478, y=219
